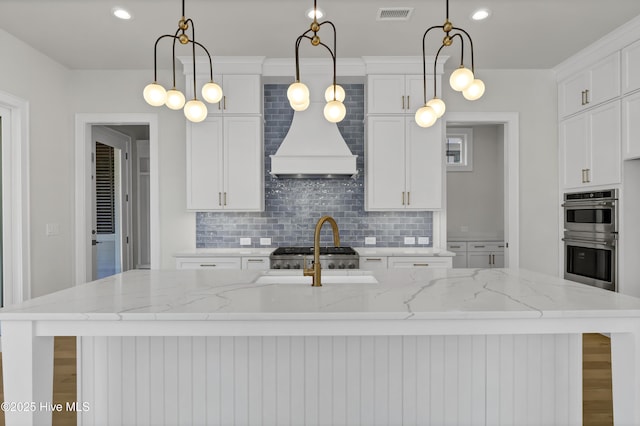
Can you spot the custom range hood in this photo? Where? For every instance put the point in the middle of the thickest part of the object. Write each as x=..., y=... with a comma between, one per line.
x=313, y=147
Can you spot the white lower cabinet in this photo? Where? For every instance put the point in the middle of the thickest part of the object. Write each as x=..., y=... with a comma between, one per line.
x=460, y=249
x=418, y=262
x=482, y=254
x=260, y=263
x=372, y=263
x=208, y=263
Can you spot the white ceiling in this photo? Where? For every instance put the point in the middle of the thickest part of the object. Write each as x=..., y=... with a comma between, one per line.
x=82, y=34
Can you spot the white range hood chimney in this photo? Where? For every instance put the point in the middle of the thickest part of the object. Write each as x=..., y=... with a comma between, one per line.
x=313, y=147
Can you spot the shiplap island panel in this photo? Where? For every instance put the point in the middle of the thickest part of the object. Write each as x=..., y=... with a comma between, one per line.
x=420, y=346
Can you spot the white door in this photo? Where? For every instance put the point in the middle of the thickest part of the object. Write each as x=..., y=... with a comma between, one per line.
x=110, y=202
x=4, y=140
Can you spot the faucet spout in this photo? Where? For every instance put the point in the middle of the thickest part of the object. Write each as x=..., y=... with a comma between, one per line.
x=315, y=270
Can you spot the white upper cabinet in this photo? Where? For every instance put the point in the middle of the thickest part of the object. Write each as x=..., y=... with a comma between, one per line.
x=225, y=164
x=590, y=147
x=404, y=164
x=396, y=94
x=631, y=126
x=242, y=94
x=631, y=68
x=597, y=84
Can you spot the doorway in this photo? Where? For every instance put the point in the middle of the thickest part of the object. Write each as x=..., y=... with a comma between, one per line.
x=506, y=129
x=113, y=242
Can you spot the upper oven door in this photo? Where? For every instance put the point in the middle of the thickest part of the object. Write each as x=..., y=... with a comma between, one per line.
x=590, y=216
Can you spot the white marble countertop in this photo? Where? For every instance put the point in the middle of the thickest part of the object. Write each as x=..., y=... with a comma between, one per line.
x=234, y=295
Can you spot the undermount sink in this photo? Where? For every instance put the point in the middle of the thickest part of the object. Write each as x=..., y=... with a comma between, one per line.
x=329, y=277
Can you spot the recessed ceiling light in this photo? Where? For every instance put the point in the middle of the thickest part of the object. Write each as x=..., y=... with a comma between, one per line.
x=480, y=14
x=319, y=13
x=121, y=13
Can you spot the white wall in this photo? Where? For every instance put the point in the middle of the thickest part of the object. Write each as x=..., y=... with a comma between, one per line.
x=45, y=85
x=475, y=199
x=533, y=94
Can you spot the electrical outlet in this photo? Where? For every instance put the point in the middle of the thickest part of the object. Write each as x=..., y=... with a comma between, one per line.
x=409, y=240
x=370, y=241
x=265, y=241
x=245, y=241
x=423, y=240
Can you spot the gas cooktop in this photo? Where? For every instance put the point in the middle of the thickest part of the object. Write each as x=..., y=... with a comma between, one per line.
x=302, y=251
x=330, y=258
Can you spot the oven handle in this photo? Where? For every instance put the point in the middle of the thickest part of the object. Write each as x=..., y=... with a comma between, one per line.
x=593, y=242
x=588, y=204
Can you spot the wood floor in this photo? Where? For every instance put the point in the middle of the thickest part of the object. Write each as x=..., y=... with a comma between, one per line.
x=597, y=406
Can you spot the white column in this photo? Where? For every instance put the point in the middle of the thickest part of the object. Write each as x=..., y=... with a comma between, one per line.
x=27, y=368
x=625, y=375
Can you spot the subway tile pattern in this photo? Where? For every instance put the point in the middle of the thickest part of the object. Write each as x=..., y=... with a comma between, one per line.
x=292, y=206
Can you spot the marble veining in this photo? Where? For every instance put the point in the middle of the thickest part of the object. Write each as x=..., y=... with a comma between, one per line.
x=399, y=294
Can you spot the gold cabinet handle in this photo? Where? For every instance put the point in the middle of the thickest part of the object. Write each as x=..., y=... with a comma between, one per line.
x=408, y=102
x=225, y=198
x=224, y=100
x=255, y=260
x=582, y=102
x=219, y=198
x=586, y=97
x=208, y=265
x=403, y=102
x=403, y=198
x=588, y=175
x=373, y=259
x=409, y=198
x=420, y=264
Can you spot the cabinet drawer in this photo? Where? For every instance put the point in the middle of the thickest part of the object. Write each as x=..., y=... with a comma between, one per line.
x=419, y=262
x=256, y=262
x=208, y=263
x=457, y=247
x=371, y=263
x=485, y=246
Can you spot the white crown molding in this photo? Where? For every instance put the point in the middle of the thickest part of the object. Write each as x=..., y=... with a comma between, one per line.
x=223, y=64
x=276, y=67
x=616, y=40
x=402, y=64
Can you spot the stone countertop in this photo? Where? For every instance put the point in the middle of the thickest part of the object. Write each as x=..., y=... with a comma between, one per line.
x=235, y=295
x=235, y=251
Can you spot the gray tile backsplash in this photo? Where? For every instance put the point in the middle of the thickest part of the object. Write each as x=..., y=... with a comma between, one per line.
x=292, y=206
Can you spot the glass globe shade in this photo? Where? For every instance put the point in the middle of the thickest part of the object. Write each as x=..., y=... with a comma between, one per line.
x=195, y=111
x=461, y=78
x=301, y=106
x=328, y=94
x=175, y=99
x=211, y=92
x=154, y=94
x=438, y=106
x=334, y=111
x=297, y=93
x=426, y=116
x=474, y=91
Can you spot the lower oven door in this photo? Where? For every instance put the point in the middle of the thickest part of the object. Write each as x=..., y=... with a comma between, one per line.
x=591, y=262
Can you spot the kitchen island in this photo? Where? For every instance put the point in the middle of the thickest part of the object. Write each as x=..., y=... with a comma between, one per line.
x=415, y=346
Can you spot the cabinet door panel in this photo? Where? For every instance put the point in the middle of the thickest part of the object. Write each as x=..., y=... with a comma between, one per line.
x=631, y=126
x=424, y=161
x=478, y=259
x=385, y=163
x=242, y=94
x=631, y=68
x=571, y=96
x=204, y=164
x=386, y=94
x=605, y=144
x=243, y=160
x=415, y=92
x=573, y=150
x=605, y=80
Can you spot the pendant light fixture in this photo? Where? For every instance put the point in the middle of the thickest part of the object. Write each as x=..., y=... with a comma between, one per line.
x=195, y=110
x=462, y=79
x=298, y=92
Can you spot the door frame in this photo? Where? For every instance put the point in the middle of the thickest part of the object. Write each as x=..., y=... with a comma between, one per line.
x=83, y=124
x=510, y=122
x=16, y=259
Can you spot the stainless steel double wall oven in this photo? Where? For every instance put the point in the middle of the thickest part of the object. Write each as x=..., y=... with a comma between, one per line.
x=590, y=237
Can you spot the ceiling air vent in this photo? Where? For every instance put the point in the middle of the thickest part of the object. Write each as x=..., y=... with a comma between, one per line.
x=394, y=13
